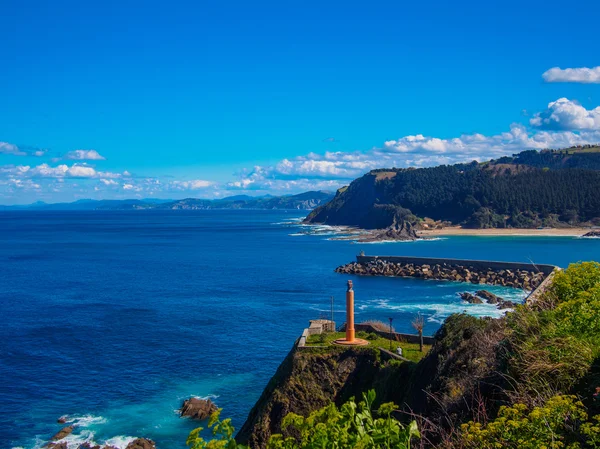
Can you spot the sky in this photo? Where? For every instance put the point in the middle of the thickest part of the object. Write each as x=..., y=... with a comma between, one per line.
x=109, y=100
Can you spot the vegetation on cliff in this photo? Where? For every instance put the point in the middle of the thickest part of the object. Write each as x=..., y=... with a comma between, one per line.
x=349, y=426
x=530, y=189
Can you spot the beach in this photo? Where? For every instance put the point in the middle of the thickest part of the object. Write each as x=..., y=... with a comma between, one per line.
x=495, y=232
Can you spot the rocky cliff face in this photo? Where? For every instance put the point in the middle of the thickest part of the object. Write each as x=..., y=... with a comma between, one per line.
x=457, y=378
x=363, y=203
x=307, y=381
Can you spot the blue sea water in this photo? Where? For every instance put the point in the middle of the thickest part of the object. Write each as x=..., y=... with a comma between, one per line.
x=113, y=318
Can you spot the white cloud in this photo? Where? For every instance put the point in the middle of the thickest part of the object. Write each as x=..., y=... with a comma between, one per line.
x=9, y=148
x=24, y=184
x=564, y=114
x=577, y=75
x=195, y=184
x=81, y=155
x=60, y=171
x=81, y=171
x=108, y=182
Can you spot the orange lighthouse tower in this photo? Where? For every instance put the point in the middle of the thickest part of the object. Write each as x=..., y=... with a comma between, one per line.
x=350, y=340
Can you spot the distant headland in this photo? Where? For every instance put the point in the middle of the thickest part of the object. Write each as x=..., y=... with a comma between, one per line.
x=548, y=192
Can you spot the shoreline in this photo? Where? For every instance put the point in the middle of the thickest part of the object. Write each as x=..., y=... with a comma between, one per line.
x=495, y=232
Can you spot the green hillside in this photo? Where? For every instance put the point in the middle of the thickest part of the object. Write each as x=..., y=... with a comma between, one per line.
x=527, y=190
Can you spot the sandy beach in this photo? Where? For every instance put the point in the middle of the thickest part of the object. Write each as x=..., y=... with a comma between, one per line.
x=550, y=232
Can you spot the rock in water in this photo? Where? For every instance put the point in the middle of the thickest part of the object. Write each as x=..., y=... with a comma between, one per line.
x=489, y=297
x=88, y=445
x=63, y=433
x=61, y=445
x=470, y=298
x=592, y=234
x=197, y=408
x=141, y=443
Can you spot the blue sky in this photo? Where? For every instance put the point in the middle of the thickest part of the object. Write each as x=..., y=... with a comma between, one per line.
x=207, y=99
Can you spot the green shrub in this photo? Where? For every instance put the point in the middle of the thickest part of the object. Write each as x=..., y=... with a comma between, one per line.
x=562, y=422
x=578, y=278
x=350, y=426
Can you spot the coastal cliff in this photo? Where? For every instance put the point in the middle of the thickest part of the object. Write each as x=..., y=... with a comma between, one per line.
x=529, y=190
x=443, y=385
x=534, y=359
x=308, y=380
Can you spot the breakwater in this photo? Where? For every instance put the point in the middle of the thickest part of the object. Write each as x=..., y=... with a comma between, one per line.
x=508, y=274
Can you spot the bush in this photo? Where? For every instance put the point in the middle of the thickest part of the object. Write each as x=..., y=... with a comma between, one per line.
x=351, y=426
x=561, y=423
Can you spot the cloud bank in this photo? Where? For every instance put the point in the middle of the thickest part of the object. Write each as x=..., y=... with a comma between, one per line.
x=577, y=75
x=563, y=123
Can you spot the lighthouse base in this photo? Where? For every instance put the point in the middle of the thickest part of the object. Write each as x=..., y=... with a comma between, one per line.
x=355, y=342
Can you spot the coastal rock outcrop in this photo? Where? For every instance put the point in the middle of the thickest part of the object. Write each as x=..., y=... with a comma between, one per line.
x=524, y=279
x=88, y=445
x=197, y=408
x=399, y=230
x=489, y=296
x=63, y=433
x=592, y=234
x=470, y=298
x=141, y=443
x=483, y=295
x=61, y=445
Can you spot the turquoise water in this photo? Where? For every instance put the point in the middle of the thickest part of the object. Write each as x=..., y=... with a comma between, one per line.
x=113, y=318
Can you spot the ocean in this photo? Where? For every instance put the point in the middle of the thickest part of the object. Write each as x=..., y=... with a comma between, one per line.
x=114, y=318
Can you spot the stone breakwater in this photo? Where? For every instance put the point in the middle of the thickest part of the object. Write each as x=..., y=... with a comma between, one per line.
x=517, y=278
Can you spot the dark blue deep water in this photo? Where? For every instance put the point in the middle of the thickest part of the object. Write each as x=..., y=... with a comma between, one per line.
x=113, y=318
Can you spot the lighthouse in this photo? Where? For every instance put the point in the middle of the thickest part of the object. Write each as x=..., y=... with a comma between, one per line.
x=350, y=339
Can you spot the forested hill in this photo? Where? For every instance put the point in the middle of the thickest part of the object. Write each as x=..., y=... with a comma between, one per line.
x=530, y=189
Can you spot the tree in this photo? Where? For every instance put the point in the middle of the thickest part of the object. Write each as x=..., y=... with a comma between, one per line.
x=418, y=324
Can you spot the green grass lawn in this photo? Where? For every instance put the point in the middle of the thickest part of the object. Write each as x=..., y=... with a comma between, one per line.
x=409, y=350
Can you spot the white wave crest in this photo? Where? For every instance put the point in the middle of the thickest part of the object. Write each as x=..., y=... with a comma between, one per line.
x=120, y=441
x=438, y=312
x=85, y=420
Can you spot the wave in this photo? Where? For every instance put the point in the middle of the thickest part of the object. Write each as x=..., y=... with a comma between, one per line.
x=120, y=441
x=85, y=420
x=438, y=312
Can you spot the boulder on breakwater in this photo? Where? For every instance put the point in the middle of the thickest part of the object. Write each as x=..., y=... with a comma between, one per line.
x=197, y=408
x=516, y=278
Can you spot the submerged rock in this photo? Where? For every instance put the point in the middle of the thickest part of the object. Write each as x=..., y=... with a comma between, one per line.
x=88, y=445
x=197, y=408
